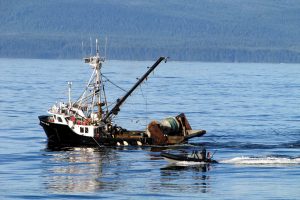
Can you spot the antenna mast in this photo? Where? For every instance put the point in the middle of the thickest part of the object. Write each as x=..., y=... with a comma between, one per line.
x=91, y=46
x=69, y=89
x=97, y=48
x=105, y=48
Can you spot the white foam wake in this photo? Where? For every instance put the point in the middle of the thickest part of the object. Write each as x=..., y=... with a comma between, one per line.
x=262, y=160
x=188, y=163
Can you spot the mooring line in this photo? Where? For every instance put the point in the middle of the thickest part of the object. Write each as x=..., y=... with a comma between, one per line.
x=96, y=142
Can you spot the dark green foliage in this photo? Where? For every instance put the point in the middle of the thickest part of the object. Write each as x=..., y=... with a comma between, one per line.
x=206, y=30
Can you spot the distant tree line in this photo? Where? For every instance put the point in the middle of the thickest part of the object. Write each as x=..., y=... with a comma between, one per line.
x=64, y=49
x=221, y=31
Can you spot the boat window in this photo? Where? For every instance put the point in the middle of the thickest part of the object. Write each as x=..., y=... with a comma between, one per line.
x=86, y=129
x=59, y=119
x=81, y=129
x=54, y=116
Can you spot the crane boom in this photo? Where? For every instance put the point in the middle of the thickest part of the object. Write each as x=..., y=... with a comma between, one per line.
x=116, y=108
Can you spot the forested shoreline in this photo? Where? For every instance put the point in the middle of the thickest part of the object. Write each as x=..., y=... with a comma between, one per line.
x=220, y=31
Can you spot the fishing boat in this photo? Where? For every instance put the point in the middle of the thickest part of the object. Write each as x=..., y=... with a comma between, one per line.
x=89, y=121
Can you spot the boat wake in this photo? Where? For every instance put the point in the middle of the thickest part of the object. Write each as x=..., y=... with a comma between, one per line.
x=270, y=160
x=188, y=163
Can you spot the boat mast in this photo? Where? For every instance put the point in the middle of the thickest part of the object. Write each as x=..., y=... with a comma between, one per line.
x=69, y=90
x=92, y=95
x=98, y=82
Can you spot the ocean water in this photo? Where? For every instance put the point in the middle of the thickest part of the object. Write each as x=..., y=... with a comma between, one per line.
x=250, y=111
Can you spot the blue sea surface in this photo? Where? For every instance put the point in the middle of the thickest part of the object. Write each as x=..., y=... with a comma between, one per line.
x=250, y=112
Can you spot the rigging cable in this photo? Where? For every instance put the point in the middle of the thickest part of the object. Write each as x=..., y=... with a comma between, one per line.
x=146, y=101
x=113, y=83
x=96, y=142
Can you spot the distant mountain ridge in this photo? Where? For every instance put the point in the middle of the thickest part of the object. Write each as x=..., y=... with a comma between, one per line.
x=204, y=30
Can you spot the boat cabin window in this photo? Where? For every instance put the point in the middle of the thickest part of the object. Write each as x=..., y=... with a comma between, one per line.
x=81, y=129
x=86, y=129
x=54, y=116
x=59, y=119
